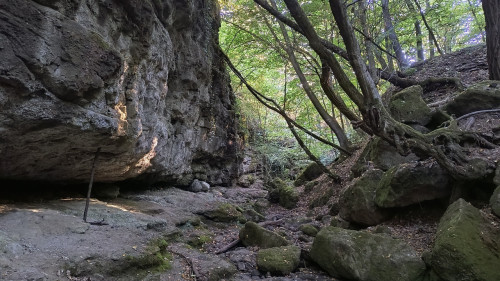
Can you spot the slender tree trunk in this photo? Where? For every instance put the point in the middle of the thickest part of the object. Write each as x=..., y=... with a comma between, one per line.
x=431, y=33
x=329, y=120
x=420, y=46
x=418, y=32
x=476, y=20
x=391, y=33
x=431, y=43
x=492, y=16
x=368, y=43
x=390, y=61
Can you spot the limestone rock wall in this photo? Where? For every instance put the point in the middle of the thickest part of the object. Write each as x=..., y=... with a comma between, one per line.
x=139, y=78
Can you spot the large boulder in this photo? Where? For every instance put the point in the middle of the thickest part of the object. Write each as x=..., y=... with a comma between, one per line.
x=407, y=106
x=357, y=255
x=311, y=172
x=412, y=183
x=357, y=201
x=380, y=155
x=466, y=246
x=481, y=96
x=278, y=260
x=142, y=80
x=255, y=235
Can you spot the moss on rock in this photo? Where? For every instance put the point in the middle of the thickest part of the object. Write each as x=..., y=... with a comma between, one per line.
x=309, y=229
x=278, y=260
x=357, y=201
x=310, y=173
x=282, y=193
x=407, y=106
x=255, y=235
x=357, y=255
x=412, y=183
x=481, y=96
x=381, y=155
x=466, y=246
x=225, y=212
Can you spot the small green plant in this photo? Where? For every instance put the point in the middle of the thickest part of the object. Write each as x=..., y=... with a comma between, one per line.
x=199, y=240
x=156, y=257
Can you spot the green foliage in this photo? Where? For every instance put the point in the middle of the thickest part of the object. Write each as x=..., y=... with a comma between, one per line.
x=253, y=40
x=156, y=257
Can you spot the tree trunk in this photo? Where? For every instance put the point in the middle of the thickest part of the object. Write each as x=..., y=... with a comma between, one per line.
x=492, y=16
x=391, y=33
x=368, y=43
x=329, y=120
x=431, y=43
x=431, y=33
x=418, y=32
x=420, y=47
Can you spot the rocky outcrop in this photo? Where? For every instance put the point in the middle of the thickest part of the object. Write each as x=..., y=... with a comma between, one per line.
x=412, y=183
x=407, y=106
x=357, y=202
x=140, y=79
x=466, y=246
x=482, y=96
x=357, y=255
x=380, y=155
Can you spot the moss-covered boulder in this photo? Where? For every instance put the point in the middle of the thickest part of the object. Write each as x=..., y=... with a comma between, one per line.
x=357, y=255
x=311, y=172
x=309, y=229
x=467, y=246
x=407, y=106
x=224, y=212
x=278, y=260
x=380, y=155
x=481, y=96
x=282, y=193
x=357, y=201
x=253, y=234
x=412, y=183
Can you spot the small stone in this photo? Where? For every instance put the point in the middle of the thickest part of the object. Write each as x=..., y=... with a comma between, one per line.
x=196, y=186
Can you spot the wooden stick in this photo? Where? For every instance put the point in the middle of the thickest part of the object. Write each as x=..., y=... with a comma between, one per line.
x=469, y=123
x=477, y=112
x=90, y=185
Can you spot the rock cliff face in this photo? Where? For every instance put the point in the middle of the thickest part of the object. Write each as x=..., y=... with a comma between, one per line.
x=139, y=78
